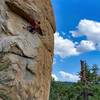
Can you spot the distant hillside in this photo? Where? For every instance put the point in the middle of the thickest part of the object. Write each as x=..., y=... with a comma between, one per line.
x=70, y=91
x=65, y=82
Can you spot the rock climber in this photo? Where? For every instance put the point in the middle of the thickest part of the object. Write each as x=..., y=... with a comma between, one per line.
x=35, y=26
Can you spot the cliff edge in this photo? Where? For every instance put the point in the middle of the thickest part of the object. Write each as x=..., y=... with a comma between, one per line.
x=26, y=49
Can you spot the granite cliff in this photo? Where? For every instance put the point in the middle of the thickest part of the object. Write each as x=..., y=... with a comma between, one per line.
x=26, y=49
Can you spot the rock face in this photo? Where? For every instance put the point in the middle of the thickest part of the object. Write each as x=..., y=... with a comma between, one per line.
x=26, y=49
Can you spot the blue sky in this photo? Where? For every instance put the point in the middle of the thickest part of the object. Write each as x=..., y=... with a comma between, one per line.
x=77, y=36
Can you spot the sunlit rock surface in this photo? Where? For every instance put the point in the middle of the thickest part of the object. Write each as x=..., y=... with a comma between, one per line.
x=26, y=57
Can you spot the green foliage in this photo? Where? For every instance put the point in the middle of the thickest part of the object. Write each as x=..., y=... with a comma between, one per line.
x=66, y=91
x=73, y=91
x=61, y=91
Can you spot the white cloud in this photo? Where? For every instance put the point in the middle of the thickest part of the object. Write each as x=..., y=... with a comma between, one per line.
x=68, y=77
x=55, y=77
x=86, y=46
x=64, y=47
x=89, y=28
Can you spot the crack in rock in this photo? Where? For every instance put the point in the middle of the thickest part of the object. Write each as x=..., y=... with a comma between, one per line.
x=24, y=46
